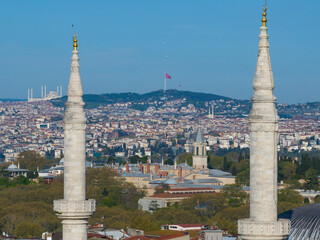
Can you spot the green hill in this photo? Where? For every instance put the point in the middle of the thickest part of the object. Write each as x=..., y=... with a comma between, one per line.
x=95, y=100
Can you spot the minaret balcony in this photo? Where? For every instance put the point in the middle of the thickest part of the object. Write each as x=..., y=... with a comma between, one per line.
x=254, y=230
x=74, y=209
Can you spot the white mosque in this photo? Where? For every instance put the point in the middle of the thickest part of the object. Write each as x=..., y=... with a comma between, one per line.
x=44, y=95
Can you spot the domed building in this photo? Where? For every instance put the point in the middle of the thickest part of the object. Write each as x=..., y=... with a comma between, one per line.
x=15, y=171
x=305, y=222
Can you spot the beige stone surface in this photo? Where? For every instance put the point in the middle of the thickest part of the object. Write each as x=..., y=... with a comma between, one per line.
x=74, y=209
x=263, y=120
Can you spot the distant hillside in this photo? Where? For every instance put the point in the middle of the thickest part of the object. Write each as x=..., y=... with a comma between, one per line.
x=223, y=105
x=94, y=100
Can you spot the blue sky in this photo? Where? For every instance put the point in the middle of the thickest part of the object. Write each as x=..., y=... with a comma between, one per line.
x=211, y=46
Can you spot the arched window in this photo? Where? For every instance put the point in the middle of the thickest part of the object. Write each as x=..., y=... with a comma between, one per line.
x=197, y=151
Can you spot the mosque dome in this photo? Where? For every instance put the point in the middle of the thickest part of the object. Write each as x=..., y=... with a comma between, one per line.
x=12, y=166
x=305, y=222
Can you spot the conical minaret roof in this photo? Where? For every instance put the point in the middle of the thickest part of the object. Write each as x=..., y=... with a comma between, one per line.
x=74, y=112
x=263, y=83
x=200, y=138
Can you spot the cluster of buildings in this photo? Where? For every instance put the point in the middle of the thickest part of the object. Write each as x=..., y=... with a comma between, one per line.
x=127, y=132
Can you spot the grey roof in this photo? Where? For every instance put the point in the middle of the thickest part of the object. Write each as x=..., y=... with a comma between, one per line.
x=200, y=138
x=206, y=180
x=132, y=174
x=218, y=173
x=305, y=222
x=171, y=181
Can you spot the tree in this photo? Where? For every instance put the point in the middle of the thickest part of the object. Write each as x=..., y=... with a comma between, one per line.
x=31, y=160
x=287, y=170
x=227, y=218
x=312, y=182
x=317, y=199
x=205, y=205
x=169, y=161
x=134, y=159
x=215, y=162
x=183, y=157
x=235, y=196
x=243, y=178
x=28, y=229
x=289, y=195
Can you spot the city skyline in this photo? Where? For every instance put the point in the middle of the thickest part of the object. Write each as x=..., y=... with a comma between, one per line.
x=210, y=46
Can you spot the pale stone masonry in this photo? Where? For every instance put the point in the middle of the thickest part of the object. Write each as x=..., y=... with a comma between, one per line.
x=263, y=120
x=200, y=157
x=74, y=209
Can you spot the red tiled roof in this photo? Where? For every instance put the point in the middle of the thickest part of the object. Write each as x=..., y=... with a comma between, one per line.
x=90, y=235
x=187, y=189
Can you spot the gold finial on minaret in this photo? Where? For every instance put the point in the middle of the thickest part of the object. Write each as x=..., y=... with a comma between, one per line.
x=264, y=14
x=75, y=44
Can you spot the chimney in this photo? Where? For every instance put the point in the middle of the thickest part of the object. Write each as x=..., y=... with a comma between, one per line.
x=127, y=167
x=157, y=168
x=141, y=167
x=148, y=166
x=180, y=172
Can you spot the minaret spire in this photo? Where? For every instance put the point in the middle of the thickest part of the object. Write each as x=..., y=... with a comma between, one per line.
x=74, y=209
x=263, y=120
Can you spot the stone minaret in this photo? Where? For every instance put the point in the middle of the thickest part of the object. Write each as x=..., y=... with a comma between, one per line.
x=263, y=223
x=74, y=209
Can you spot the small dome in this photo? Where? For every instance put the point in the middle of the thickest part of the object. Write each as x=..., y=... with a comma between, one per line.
x=61, y=162
x=171, y=181
x=12, y=166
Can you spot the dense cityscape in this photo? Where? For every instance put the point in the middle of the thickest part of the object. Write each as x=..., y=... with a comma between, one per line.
x=120, y=131
x=169, y=164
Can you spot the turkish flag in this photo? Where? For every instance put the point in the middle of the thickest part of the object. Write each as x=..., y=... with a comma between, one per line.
x=167, y=76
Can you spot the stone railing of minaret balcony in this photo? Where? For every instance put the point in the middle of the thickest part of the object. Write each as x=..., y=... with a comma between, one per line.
x=72, y=208
x=276, y=230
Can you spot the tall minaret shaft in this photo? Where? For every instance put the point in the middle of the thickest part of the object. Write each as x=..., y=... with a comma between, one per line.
x=263, y=120
x=74, y=136
x=74, y=209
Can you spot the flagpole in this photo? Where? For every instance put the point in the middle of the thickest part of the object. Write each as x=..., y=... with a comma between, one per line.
x=165, y=87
